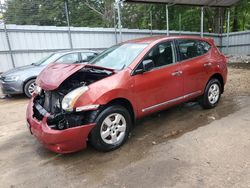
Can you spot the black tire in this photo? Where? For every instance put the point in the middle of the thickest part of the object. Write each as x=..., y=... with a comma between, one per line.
x=204, y=101
x=27, y=87
x=98, y=117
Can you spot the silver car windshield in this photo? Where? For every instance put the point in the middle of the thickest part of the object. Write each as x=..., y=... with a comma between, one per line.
x=120, y=56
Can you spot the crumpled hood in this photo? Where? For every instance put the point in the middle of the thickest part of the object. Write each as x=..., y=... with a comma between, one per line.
x=53, y=75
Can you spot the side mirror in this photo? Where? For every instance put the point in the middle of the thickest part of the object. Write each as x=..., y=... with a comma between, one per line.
x=148, y=65
x=138, y=71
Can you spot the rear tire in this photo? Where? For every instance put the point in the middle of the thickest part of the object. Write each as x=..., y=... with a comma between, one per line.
x=212, y=94
x=112, y=128
x=29, y=88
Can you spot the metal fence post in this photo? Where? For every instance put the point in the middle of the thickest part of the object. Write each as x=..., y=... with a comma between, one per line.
x=202, y=21
x=151, y=22
x=9, y=46
x=167, y=20
x=67, y=17
x=228, y=29
x=115, y=25
x=179, y=23
x=7, y=37
x=118, y=2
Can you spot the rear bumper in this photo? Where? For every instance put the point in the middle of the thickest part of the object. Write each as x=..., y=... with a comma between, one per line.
x=11, y=87
x=59, y=141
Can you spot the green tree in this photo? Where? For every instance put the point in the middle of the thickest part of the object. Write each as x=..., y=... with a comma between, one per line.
x=38, y=12
x=100, y=13
x=241, y=16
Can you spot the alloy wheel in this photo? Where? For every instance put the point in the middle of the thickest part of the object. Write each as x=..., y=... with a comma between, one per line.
x=113, y=129
x=214, y=93
x=31, y=88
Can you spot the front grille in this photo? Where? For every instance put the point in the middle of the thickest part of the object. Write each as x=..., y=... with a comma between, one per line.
x=47, y=101
x=39, y=111
x=52, y=101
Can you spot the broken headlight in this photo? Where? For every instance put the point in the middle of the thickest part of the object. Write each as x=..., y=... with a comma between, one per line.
x=69, y=100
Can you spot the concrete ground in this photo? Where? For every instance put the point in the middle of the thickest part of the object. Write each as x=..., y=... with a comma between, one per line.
x=184, y=146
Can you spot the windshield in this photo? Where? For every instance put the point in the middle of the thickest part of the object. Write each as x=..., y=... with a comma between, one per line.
x=49, y=59
x=119, y=56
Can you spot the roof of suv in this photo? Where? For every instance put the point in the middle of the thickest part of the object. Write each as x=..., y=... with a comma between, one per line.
x=160, y=38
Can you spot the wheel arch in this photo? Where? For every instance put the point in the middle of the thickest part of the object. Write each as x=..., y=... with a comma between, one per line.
x=125, y=103
x=117, y=101
x=219, y=77
x=27, y=80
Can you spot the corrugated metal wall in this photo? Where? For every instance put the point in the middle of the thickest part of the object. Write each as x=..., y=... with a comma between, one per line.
x=31, y=43
x=239, y=43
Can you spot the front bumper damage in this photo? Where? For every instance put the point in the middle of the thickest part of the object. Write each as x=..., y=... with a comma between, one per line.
x=60, y=141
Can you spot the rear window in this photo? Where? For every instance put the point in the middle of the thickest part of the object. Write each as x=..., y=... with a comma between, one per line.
x=189, y=48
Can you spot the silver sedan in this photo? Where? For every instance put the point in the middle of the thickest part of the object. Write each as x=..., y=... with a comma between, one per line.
x=22, y=79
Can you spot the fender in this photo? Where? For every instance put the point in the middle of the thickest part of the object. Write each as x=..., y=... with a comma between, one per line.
x=106, y=90
x=105, y=98
x=219, y=75
x=216, y=69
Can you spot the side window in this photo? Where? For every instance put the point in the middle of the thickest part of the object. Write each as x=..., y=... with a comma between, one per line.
x=205, y=46
x=87, y=56
x=192, y=48
x=68, y=58
x=162, y=54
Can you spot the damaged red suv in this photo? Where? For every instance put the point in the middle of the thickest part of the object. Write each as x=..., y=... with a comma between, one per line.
x=100, y=101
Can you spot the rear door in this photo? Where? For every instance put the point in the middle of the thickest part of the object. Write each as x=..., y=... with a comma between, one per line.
x=158, y=88
x=194, y=57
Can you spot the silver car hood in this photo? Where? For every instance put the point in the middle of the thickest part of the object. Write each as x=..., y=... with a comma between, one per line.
x=28, y=69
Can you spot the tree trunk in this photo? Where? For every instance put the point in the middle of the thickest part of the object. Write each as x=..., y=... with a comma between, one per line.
x=235, y=22
x=219, y=20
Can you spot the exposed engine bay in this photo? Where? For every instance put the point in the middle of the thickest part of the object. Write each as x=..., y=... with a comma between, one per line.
x=51, y=101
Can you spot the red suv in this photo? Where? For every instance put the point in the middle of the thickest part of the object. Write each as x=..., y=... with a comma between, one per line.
x=99, y=102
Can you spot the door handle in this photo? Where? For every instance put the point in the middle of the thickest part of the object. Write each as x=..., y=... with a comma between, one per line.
x=207, y=64
x=176, y=73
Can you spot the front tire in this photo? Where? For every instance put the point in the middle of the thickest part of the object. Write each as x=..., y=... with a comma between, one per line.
x=29, y=88
x=211, y=95
x=112, y=128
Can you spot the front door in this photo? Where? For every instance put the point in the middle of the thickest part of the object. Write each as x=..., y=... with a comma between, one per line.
x=161, y=86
